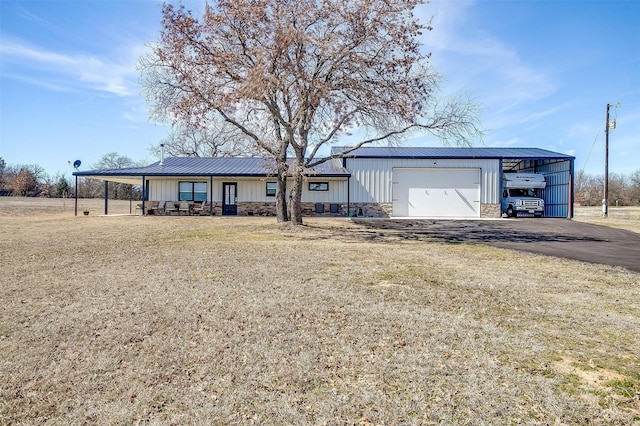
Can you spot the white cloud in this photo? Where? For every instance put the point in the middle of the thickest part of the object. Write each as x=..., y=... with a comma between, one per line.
x=89, y=71
x=46, y=84
x=473, y=60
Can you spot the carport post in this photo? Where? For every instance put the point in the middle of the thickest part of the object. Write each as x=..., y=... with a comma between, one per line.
x=348, y=196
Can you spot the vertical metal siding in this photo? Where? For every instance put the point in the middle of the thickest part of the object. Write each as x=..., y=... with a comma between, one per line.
x=557, y=194
x=371, y=178
x=163, y=190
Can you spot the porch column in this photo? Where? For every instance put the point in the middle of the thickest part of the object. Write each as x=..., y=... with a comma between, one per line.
x=106, y=196
x=211, y=201
x=75, y=209
x=143, y=195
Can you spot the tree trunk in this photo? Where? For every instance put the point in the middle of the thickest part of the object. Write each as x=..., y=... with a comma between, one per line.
x=296, y=199
x=282, y=214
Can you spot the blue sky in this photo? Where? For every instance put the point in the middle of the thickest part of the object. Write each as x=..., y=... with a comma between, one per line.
x=543, y=72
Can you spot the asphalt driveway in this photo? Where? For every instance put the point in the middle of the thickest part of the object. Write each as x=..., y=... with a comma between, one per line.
x=554, y=237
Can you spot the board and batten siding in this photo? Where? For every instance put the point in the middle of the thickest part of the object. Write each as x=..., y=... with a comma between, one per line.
x=248, y=190
x=164, y=189
x=372, y=178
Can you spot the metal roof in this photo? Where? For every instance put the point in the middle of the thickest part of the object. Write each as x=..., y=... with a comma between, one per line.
x=452, y=152
x=218, y=166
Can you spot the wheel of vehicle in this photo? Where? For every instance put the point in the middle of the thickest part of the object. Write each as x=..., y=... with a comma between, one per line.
x=510, y=212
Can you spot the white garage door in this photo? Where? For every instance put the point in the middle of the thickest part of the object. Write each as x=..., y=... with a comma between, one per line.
x=436, y=192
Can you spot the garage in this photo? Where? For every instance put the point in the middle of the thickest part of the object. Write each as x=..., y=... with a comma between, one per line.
x=436, y=192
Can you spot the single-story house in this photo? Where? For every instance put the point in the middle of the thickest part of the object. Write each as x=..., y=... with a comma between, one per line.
x=370, y=181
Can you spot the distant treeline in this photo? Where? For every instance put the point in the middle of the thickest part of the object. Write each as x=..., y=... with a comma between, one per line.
x=624, y=190
x=31, y=180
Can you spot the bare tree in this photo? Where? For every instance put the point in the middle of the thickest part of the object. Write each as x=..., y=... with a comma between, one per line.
x=25, y=183
x=220, y=140
x=112, y=160
x=3, y=165
x=623, y=190
x=618, y=194
x=24, y=179
x=634, y=188
x=294, y=76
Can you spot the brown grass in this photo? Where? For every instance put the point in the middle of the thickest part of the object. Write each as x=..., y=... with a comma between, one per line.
x=130, y=320
x=617, y=217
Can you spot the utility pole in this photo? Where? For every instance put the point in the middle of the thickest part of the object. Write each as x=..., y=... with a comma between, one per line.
x=605, y=197
x=611, y=124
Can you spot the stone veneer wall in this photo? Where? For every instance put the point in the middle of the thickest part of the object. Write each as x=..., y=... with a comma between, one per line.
x=269, y=209
x=356, y=209
x=490, y=210
x=371, y=210
x=386, y=210
x=257, y=209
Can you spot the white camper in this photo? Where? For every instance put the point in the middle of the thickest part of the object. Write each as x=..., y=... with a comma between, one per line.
x=519, y=196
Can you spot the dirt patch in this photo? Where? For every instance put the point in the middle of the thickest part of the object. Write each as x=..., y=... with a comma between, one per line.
x=588, y=373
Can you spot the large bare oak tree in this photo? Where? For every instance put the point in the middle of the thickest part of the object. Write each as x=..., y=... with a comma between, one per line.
x=296, y=75
x=211, y=141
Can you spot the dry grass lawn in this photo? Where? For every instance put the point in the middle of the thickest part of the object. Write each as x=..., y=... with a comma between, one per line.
x=130, y=320
x=617, y=217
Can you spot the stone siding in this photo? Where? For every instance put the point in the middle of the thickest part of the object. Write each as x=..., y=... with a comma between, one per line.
x=371, y=210
x=490, y=210
x=308, y=209
x=257, y=209
x=378, y=210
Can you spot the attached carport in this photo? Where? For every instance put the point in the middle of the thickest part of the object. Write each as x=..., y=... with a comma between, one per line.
x=558, y=170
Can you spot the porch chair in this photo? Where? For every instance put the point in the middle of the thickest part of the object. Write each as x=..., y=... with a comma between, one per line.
x=152, y=207
x=159, y=208
x=169, y=207
x=184, y=207
x=201, y=209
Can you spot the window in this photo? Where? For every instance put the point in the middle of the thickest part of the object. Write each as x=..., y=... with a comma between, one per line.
x=318, y=186
x=271, y=189
x=192, y=191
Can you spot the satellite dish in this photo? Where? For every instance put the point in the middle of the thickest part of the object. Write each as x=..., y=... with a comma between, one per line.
x=76, y=164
